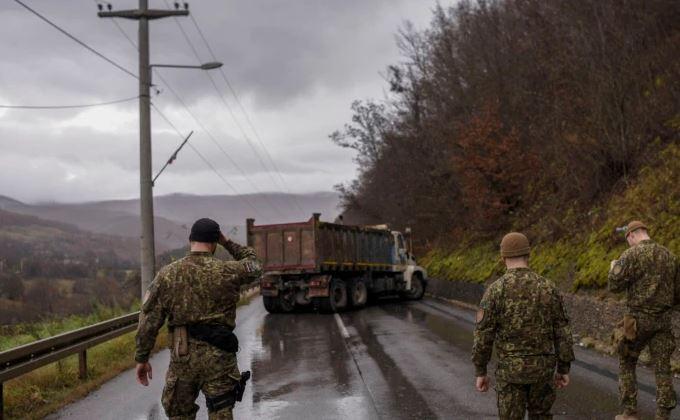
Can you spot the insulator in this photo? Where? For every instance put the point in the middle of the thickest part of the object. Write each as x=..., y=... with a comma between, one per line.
x=176, y=5
x=186, y=6
x=108, y=6
x=100, y=7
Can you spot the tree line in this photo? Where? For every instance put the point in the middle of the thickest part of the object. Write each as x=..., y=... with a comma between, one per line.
x=515, y=113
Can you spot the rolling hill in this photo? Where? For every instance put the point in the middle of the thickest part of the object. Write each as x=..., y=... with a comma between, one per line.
x=176, y=212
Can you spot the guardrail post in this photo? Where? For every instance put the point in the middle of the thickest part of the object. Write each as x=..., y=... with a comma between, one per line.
x=82, y=365
x=2, y=398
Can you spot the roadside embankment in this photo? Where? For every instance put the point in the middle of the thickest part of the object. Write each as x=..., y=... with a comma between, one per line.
x=593, y=319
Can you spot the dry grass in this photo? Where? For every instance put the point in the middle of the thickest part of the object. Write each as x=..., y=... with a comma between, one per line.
x=45, y=390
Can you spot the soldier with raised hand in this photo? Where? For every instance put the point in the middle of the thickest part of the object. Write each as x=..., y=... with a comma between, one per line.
x=523, y=315
x=649, y=274
x=198, y=295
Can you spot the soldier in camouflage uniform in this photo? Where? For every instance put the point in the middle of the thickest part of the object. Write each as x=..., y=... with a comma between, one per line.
x=648, y=273
x=198, y=292
x=522, y=313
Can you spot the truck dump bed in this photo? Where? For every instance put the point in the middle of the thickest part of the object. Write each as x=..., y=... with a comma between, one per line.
x=315, y=246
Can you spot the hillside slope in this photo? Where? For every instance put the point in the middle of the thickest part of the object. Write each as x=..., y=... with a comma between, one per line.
x=580, y=260
x=31, y=244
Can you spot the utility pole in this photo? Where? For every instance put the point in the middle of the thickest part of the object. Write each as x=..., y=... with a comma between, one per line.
x=143, y=15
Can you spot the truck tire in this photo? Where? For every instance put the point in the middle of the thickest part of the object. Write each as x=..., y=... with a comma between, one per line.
x=417, y=288
x=285, y=304
x=336, y=300
x=271, y=304
x=357, y=294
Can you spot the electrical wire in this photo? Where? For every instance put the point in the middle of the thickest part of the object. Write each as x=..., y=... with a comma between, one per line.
x=200, y=124
x=117, y=101
x=83, y=44
x=292, y=197
x=242, y=108
x=206, y=161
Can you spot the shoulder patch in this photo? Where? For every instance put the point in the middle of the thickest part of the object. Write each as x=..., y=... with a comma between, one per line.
x=251, y=266
x=617, y=269
x=480, y=316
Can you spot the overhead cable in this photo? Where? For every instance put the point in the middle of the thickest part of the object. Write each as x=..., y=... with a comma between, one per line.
x=83, y=44
x=179, y=99
x=117, y=101
x=243, y=109
x=233, y=116
x=206, y=161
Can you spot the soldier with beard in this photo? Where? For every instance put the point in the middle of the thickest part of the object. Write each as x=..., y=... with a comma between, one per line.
x=650, y=276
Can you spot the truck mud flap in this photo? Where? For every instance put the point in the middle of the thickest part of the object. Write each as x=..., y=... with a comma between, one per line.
x=318, y=286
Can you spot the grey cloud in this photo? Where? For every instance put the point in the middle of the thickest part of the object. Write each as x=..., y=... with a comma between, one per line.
x=297, y=65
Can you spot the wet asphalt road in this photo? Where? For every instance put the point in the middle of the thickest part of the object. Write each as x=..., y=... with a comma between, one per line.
x=391, y=361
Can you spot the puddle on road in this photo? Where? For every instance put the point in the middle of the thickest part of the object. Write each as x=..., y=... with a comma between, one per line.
x=442, y=326
x=584, y=399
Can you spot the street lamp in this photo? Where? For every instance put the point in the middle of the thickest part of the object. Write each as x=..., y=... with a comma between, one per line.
x=205, y=66
x=146, y=180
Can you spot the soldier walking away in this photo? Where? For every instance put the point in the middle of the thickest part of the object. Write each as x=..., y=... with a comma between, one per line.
x=198, y=295
x=523, y=314
x=649, y=274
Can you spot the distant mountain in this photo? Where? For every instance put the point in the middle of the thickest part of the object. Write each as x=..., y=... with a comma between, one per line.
x=48, y=245
x=176, y=212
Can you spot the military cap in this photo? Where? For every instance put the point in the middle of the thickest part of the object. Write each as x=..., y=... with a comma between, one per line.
x=635, y=225
x=514, y=244
x=205, y=230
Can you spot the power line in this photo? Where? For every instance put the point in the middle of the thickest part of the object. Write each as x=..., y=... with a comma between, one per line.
x=231, y=112
x=200, y=124
x=83, y=44
x=205, y=160
x=117, y=101
x=243, y=110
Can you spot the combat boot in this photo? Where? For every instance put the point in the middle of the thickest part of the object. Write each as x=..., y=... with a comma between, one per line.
x=662, y=414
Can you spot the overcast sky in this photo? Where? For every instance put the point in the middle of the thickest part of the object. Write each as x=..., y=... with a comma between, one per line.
x=296, y=65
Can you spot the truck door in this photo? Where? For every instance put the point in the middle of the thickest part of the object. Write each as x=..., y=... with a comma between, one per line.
x=402, y=258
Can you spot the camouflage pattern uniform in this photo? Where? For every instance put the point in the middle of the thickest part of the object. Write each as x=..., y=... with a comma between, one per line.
x=199, y=288
x=523, y=314
x=648, y=272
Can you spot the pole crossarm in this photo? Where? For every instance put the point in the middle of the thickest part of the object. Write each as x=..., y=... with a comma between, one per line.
x=173, y=157
x=137, y=14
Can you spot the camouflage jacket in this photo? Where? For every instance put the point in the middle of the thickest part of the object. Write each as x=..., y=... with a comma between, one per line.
x=199, y=288
x=649, y=273
x=523, y=314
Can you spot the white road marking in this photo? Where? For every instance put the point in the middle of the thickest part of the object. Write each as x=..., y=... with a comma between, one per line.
x=341, y=326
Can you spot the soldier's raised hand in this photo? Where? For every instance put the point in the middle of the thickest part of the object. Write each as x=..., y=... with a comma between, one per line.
x=222, y=240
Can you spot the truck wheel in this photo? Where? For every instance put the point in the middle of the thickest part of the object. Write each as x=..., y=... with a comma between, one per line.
x=271, y=304
x=285, y=303
x=417, y=288
x=357, y=294
x=336, y=300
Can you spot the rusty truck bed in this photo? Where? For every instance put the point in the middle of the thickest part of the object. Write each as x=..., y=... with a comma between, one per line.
x=315, y=246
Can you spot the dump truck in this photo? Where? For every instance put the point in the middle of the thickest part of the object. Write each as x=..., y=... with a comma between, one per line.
x=330, y=267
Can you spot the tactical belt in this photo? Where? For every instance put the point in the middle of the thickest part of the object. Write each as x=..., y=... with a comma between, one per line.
x=220, y=336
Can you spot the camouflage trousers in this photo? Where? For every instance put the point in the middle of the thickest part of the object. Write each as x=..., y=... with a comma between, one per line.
x=514, y=400
x=655, y=332
x=206, y=369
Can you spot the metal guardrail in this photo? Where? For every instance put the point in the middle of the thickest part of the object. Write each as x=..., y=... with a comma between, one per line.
x=23, y=359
